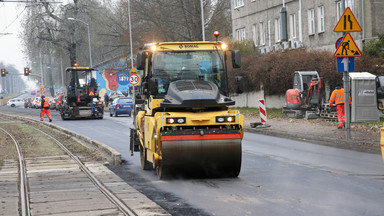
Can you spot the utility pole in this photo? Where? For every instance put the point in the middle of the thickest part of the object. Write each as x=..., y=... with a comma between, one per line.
x=202, y=19
x=346, y=92
x=130, y=42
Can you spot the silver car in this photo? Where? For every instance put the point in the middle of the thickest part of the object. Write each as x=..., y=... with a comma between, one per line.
x=15, y=102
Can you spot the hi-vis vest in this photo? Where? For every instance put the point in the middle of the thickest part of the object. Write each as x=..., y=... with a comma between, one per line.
x=337, y=96
x=46, y=102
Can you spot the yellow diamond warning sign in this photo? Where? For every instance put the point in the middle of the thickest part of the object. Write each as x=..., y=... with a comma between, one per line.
x=347, y=23
x=347, y=48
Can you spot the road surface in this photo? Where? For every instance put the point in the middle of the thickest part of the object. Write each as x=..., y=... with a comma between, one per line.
x=278, y=176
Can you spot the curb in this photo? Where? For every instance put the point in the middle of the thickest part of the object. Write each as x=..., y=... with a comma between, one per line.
x=113, y=157
x=326, y=141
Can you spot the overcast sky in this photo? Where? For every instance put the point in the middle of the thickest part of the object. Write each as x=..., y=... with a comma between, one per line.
x=11, y=50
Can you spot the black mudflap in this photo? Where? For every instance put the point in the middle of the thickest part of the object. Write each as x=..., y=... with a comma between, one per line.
x=134, y=141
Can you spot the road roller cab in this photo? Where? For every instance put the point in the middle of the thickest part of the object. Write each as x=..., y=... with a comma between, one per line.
x=185, y=122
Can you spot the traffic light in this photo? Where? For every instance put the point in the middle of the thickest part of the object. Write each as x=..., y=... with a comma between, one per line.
x=75, y=64
x=26, y=71
x=3, y=72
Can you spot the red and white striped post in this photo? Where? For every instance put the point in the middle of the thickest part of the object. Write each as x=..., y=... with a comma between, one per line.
x=263, y=111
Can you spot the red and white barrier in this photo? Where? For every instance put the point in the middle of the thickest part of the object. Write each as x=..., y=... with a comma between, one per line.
x=263, y=111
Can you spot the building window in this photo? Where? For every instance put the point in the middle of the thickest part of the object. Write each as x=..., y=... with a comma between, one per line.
x=262, y=34
x=292, y=25
x=311, y=21
x=255, y=34
x=277, y=30
x=320, y=20
x=239, y=3
x=269, y=32
x=350, y=4
x=339, y=12
x=240, y=34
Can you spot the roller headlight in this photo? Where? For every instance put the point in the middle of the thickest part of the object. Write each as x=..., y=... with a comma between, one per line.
x=175, y=120
x=220, y=119
x=225, y=119
x=230, y=119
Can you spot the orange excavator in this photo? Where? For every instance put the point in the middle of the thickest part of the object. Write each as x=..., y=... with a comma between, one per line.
x=306, y=97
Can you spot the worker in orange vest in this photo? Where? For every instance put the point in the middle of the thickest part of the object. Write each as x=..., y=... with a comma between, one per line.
x=337, y=98
x=45, y=108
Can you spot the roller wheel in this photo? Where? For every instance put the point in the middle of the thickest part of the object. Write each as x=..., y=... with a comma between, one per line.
x=110, y=114
x=145, y=165
x=234, y=173
x=162, y=171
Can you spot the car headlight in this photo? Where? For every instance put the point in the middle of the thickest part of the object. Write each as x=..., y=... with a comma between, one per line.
x=175, y=120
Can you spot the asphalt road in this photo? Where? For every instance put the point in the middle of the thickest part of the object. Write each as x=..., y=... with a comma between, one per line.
x=278, y=177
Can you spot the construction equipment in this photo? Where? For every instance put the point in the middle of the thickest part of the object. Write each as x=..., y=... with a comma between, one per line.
x=380, y=92
x=81, y=98
x=307, y=96
x=185, y=122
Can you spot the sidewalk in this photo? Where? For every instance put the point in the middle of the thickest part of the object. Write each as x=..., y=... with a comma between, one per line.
x=320, y=132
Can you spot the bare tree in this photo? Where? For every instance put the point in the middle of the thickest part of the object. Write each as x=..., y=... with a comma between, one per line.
x=50, y=38
x=180, y=20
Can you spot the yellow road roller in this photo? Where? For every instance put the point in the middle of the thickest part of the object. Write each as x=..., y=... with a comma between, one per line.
x=183, y=121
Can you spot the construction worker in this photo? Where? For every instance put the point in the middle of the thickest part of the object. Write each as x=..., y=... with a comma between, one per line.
x=337, y=98
x=45, y=108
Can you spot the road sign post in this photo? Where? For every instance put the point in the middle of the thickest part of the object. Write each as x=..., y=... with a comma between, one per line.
x=346, y=50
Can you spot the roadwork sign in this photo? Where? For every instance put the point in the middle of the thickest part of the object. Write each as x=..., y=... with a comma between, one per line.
x=133, y=70
x=347, y=23
x=347, y=48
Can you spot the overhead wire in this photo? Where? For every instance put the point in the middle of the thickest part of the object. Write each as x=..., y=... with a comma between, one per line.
x=9, y=25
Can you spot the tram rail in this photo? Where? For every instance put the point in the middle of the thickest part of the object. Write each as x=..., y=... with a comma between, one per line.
x=24, y=204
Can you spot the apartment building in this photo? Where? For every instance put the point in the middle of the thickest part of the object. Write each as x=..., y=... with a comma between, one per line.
x=310, y=23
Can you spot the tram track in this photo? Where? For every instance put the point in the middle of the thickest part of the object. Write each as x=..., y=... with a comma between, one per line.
x=23, y=181
x=25, y=200
x=112, y=197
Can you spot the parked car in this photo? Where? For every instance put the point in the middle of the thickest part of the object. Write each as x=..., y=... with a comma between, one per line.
x=122, y=105
x=115, y=94
x=53, y=104
x=28, y=103
x=15, y=102
x=60, y=102
x=36, y=102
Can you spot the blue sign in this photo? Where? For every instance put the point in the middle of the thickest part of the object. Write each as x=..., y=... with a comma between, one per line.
x=342, y=64
x=122, y=78
x=205, y=66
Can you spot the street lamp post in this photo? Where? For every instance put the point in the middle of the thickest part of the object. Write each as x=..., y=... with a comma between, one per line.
x=89, y=38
